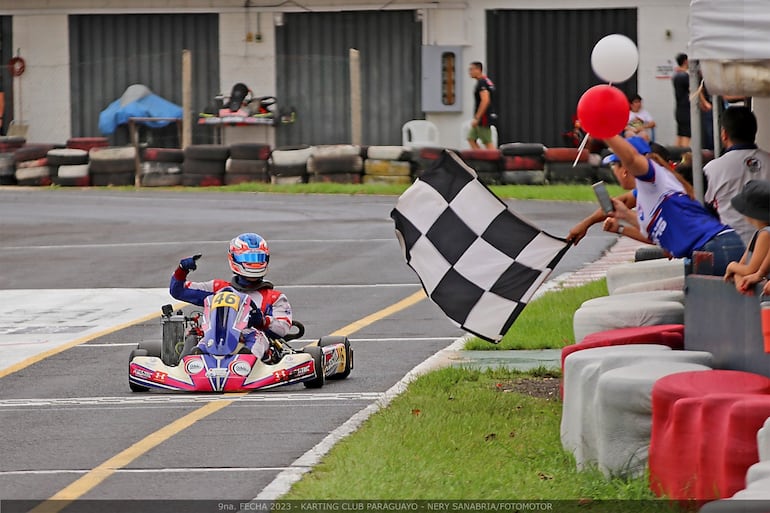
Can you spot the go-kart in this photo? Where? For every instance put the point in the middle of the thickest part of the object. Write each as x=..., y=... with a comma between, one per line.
x=221, y=362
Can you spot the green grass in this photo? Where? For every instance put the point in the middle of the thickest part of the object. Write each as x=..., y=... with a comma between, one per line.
x=560, y=192
x=546, y=322
x=461, y=434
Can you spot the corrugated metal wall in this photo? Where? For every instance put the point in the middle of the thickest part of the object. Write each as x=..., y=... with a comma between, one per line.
x=108, y=53
x=313, y=74
x=6, y=78
x=540, y=61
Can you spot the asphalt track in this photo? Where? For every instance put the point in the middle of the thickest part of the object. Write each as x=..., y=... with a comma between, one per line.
x=78, y=268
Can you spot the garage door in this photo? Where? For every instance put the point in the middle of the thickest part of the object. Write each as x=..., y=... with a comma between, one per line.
x=540, y=61
x=108, y=53
x=313, y=74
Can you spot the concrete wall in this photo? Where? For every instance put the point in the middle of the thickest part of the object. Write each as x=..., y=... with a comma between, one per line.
x=42, y=93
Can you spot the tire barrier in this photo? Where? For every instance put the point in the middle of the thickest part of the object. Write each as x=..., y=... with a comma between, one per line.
x=343, y=160
x=11, y=143
x=72, y=175
x=250, y=151
x=7, y=169
x=112, y=165
x=204, y=165
x=87, y=143
x=288, y=164
x=388, y=165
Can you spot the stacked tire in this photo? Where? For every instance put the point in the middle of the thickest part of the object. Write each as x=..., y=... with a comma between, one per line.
x=486, y=162
x=161, y=167
x=338, y=163
x=87, y=143
x=523, y=164
x=69, y=167
x=7, y=169
x=388, y=165
x=204, y=165
x=559, y=166
x=288, y=164
x=426, y=157
x=32, y=164
x=11, y=143
x=248, y=162
x=112, y=165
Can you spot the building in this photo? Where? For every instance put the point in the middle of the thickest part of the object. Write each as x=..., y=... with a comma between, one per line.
x=80, y=55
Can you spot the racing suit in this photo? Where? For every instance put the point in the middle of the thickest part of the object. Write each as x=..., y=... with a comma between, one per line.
x=273, y=303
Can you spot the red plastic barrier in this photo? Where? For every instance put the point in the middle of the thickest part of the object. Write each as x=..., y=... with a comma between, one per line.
x=745, y=418
x=671, y=335
x=677, y=424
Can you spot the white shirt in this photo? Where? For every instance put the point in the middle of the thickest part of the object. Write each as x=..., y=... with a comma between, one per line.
x=726, y=177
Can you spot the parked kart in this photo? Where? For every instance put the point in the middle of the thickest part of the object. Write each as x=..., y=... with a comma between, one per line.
x=222, y=363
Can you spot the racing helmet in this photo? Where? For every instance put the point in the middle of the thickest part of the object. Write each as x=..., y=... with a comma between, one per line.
x=248, y=255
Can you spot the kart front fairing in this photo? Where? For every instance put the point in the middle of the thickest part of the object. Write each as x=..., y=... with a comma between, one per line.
x=225, y=316
x=216, y=373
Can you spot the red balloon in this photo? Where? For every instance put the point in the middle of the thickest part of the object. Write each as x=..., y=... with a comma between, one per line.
x=603, y=111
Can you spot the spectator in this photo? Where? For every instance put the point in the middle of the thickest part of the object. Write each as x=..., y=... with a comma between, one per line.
x=484, y=114
x=742, y=161
x=668, y=215
x=640, y=122
x=754, y=203
x=623, y=203
x=681, y=82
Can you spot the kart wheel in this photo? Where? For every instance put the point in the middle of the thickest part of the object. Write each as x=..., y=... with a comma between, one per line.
x=318, y=361
x=328, y=341
x=133, y=386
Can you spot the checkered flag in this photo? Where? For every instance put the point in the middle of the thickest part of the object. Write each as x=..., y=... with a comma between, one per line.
x=476, y=259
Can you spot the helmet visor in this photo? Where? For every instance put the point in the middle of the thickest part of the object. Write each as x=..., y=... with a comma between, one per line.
x=250, y=258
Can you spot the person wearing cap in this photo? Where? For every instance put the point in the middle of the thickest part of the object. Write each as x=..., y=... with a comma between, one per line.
x=624, y=203
x=666, y=210
x=742, y=161
x=753, y=202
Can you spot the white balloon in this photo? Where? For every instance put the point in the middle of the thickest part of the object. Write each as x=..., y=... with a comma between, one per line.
x=615, y=58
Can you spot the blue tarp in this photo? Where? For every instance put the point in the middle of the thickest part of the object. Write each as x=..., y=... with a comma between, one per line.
x=137, y=102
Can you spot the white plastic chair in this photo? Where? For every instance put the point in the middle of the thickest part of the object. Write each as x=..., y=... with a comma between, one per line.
x=465, y=128
x=419, y=133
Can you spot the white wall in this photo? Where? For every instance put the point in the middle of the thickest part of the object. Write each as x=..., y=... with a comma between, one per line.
x=42, y=93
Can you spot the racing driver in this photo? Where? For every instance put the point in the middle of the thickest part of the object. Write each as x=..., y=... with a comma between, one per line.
x=248, y=257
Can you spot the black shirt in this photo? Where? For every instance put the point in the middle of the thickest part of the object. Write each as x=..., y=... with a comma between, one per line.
x=489, y=117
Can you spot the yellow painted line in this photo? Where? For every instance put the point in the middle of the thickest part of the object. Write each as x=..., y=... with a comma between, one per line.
x=92, y=479
x=16, y=367
x=376, y=316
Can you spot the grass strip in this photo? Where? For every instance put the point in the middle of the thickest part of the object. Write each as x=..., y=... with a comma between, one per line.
x=556, y=192
x=546, y=322
x=464, y=434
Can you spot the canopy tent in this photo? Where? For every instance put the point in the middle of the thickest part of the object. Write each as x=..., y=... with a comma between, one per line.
x=731, y=42
x=137, y=101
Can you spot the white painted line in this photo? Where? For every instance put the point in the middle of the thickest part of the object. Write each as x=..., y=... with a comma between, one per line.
x=189, y=243
x=37, y=321
x=142, y=470
x=150, y=399
x=300, y=341
x=284, y=480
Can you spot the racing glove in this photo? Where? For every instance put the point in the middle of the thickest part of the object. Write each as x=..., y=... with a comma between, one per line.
x=189, y=263
x=256, y=318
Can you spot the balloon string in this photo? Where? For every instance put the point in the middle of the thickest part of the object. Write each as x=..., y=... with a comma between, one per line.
x=580, y=149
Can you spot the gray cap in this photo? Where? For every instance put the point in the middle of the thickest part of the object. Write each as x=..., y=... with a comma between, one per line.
x=754, y=200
